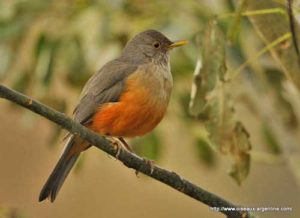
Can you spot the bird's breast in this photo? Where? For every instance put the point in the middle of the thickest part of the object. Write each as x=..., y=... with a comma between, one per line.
x=140, y=108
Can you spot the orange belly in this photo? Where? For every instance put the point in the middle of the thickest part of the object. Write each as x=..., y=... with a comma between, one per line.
x=137, y=113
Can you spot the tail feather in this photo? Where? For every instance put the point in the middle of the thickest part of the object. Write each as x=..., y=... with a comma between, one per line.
x=60, y=172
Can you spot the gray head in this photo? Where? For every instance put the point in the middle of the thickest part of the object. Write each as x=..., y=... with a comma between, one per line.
x=149, y=45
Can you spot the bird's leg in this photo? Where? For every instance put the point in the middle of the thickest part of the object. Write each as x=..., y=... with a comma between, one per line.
x=126, y=145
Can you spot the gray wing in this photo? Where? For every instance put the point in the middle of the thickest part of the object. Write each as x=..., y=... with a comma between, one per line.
x=104, y=86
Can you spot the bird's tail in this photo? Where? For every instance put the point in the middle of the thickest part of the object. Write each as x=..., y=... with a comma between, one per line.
x=61, y=170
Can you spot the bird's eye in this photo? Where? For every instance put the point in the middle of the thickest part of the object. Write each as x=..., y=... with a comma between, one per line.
x=156, y=44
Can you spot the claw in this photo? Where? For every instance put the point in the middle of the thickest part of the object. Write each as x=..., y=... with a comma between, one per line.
x=116, y=145
x=118, y=148
x=151, y=164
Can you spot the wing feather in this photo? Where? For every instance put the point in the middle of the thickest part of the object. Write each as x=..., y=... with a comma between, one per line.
x=104, y=86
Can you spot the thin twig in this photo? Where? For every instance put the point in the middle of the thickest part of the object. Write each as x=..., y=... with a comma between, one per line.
x=129, y=159
x=254, y=13
x=292, y=28
x=236, y=72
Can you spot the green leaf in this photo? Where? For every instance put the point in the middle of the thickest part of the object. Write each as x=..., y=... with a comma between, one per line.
x=270, y=139
x=211, y=98
x=205, y=152
x=184, y=99
x=210, y=67
x=240, y=148
x=241, y=167
x=221, y=118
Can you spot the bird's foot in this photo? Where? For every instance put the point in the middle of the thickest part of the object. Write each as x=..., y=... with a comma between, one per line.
x=116, y=145
x=150, y=163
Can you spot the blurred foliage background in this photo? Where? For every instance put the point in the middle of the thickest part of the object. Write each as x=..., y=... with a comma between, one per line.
x=236, y=84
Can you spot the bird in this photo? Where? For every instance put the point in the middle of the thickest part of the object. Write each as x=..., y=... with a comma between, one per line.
x=126, y=98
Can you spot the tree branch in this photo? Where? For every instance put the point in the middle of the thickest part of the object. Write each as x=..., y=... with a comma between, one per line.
x=128, y=159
